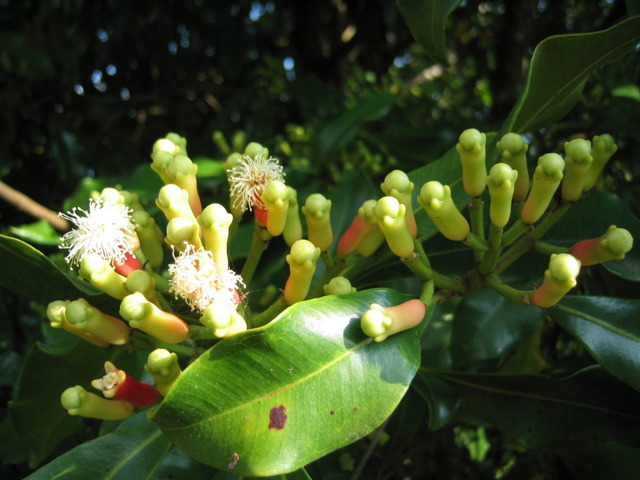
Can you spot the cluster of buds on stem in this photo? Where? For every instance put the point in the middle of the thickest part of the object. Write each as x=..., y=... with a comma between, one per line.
x=118, y=247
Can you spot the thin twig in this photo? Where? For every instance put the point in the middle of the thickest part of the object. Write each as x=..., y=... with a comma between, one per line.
x=33, y=208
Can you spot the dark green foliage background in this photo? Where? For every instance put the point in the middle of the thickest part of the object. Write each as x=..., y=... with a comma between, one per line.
x=332, y=88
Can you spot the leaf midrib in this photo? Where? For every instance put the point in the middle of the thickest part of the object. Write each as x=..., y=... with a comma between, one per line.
x=578, y=78
x=301, y=380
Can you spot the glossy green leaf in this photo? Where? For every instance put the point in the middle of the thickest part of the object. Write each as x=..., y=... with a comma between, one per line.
x=45, y=374
x=579, y=417
x=342, y=130
x=609, y=328
x=126, y=454
x=40, y=232
x=273, y=399
x=426, y=20
x=487, y=326
x=27, y=272
x=590, y=218
x=559, y=70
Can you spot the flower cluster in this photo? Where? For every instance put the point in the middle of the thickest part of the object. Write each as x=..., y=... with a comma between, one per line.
x=196, y=296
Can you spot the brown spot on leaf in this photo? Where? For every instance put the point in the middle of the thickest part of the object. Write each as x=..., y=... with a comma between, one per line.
x=277, y=417
x=233, y=461
x=331, y=412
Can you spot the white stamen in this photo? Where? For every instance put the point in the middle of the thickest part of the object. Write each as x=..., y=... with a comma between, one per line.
x=248, y=178
x=196, y=279
x=106, y=230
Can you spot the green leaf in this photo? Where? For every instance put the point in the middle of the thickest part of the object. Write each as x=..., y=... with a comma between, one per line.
x=340, y=131
x=577, y=417
x=273, y=399
x=40, y=232
x=128, y=453
x=45, y=374
x=209, y=168
x=559, y=70
x=610, y=330
x=426, y=20
x=27, y=272
x=590, y=218
x=487, y=326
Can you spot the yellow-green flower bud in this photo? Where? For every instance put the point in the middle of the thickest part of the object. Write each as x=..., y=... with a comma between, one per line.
x=85, y=317
x=501, y=182
x=141, y=281
x=276, y=199
x=254, y=149
x=164, y=145
x=110, y=196
x=150, y=237
x=131, y=200
x=338, y=286
x=174, y=202
x=471, y=149
x=390, y=214
x=232, y=160
x=179, y=141
x=397, y=184
x=220, y=141
x=613, y=245
x=546, y=178
x=77, y=401
x=182, y=232
x=182, y=172
x=223, y=321
x=436, y=200
x=99, y=272
x=372, y=237
x=559, y=278
x=163, y=366
x=238, y=140
x=602, y=149
x=215, y=222
x=379, y=322
x=56, y=313
x=162, y=153
x=317, y=212
x=302, y=265
x=513, y=151
x=293, y=225
x=577, y=161
x=359, y=228
x=145, y=316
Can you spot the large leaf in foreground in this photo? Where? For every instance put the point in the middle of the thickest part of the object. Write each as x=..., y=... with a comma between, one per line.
x=128, y=453
x=586, y=417
x=273, y=399
x=559, y=70
x=609, y=328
